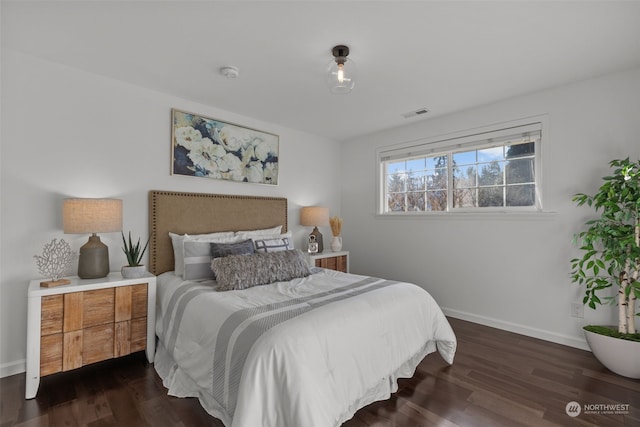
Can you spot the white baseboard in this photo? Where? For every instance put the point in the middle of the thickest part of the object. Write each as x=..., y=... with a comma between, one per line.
x=12, y=368
x=519, y=329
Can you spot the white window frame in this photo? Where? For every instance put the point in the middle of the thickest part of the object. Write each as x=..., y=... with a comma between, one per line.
x=460, y=141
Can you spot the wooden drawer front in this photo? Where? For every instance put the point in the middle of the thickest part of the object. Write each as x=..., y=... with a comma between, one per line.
x=338, y=263
x=97, y=343
x=329, y=263
x=79, y=328
x=130, y=336
x=52, y=312
x=50, y=354
x=98, y=307
x=130, y=302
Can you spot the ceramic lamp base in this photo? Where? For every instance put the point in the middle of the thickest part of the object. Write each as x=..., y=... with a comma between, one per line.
x=93, y=262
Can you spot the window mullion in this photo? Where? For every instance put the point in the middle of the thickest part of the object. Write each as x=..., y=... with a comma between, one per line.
x=449, y=181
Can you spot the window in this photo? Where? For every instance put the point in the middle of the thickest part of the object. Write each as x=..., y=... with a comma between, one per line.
x=494, y=170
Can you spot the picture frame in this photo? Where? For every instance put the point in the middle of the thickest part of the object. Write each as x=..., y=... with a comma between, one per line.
x=211, y=148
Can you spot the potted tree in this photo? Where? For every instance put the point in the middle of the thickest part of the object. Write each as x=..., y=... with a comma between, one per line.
x=134, y=256
x=610, y=260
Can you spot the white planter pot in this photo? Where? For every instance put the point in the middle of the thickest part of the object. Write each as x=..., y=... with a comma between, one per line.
x=618, y=355
x=135, y=272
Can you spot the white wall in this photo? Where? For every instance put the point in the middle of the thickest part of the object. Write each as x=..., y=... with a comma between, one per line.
x=507, y=271
x=67, y=133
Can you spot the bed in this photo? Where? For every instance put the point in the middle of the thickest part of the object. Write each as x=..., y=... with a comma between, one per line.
x=307, y=351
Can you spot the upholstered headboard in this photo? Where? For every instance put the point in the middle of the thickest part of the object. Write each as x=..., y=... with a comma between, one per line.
x=197, y=213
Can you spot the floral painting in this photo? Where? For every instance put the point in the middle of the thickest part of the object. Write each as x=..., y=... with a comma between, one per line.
x=210, y=148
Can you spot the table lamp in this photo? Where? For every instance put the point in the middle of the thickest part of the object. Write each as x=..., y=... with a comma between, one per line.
x=315, y=216
x=83, y=216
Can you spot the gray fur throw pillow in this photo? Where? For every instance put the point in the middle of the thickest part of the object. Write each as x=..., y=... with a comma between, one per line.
x=237, y=272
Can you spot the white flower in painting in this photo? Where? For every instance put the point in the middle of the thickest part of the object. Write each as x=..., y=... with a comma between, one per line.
x=217, y=150
x=234, y=138
x=236, y=175
x=254, y=172
x=262, y=150
x=215, y=135
x=229, y=162
x=215, y=174
x=248, y=154
x=204, y=154
x=188, y=137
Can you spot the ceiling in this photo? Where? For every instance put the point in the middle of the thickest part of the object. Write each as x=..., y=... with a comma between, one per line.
x=446, y=56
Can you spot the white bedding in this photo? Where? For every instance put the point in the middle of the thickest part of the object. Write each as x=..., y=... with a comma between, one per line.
x=309, y=352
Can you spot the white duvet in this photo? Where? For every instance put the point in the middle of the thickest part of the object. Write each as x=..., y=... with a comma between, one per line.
x=309, y=352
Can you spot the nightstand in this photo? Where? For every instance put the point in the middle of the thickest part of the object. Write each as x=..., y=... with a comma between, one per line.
x=338, y=261
x=87, y=321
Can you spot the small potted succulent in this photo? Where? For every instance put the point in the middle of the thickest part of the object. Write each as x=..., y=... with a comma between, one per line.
x=610, y=265
x=134, y=255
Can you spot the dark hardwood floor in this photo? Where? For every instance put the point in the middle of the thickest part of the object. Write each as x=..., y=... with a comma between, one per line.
x=498, y=379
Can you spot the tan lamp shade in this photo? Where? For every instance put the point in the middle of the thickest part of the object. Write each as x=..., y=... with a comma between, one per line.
x=315, y=216
x=82, y=216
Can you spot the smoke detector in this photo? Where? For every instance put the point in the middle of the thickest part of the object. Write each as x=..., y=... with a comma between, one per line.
x=230, y=71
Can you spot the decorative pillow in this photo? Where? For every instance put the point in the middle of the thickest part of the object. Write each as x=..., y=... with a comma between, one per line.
x=219, y=250
x=177, y=241
x=199, y=253
x=245, y=271
x=249, y=234
x=273, y=244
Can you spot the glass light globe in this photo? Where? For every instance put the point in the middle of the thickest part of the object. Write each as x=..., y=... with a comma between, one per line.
x=341, y=75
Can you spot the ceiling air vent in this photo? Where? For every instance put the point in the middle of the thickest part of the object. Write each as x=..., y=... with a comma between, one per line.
x=415, y=113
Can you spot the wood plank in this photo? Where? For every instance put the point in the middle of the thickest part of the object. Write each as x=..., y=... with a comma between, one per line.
x=138, y=334
x=341, y=263
x=122, y=339
x=97, y=343
x=123, y=303
x=51, y=354
x=98, y=307
x=139, y=301
x=52, y=314
x=329, y=263
x=72, y=351
x=73, y=312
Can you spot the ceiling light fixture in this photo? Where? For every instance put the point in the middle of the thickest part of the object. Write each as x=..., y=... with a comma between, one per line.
x=230, y=71
x=341, y=75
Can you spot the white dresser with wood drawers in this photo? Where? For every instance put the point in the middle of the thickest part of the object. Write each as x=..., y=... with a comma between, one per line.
x=87, y=321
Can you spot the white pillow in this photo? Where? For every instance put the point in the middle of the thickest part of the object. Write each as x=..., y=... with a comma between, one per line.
x=250, y=234
x=177, y=241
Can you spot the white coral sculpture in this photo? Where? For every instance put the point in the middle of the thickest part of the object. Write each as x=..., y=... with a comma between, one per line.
x=55, y=259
